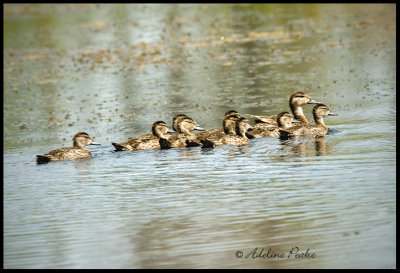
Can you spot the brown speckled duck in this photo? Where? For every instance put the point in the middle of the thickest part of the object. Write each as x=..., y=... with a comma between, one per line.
x=319, y=129
x=237, y=139
x=183, y=136
x=228, y=126
x=260, y=130
x=296, y=100
x=78, y=151
x=151, y=140
x=145, y=142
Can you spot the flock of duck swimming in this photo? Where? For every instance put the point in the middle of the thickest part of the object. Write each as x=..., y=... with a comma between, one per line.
x=236, y=131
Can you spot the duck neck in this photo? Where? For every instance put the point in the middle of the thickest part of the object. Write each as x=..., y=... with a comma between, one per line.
x=319, y=121
x=282, y=125
x=298, y=113
x=229, y=127
x=78, y=144
x=159, y=134
x=241, y=132
x=186, y=132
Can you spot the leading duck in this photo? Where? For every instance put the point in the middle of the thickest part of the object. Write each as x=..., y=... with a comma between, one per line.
x=319, y=129
x=296, y=100
x=78, y=151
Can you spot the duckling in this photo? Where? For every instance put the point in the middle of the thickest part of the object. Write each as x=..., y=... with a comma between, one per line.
x=183, y=136
x=151, y=140
x=296, y=100
x=237, y=139
x=284, y=120
x=228, y=125
x=78, y=151
x=216, y=135
x=319, y=129
x=145, y=142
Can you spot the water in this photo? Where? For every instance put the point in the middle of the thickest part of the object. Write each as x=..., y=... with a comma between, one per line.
x=112, y=70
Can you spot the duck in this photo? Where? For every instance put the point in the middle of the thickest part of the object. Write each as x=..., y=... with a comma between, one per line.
x=216, y=135
x=145, y=142
x=183, y=136
x=228, y=126
x=78, y=151
x=284, y=121
x=238, y=138
x=319, y=129
x=296, y=100
x=151, y=140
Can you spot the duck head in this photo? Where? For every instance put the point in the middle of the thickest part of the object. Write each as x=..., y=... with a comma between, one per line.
x=229, y=123
x=83, y=139
x=159, y=129
x=300, y=98
x=186, y=125
x=176, y=120
x=320, y=111
x=284, y=119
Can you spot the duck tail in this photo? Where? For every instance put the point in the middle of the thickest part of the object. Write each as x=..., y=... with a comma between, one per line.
x=192, y=143
x=41, y=159
x=207, y=144
x=118, y=147
x=164, y=144
x=284, y=135
x=250, y=134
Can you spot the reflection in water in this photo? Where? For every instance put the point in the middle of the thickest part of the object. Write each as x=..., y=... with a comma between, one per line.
x=300, y=146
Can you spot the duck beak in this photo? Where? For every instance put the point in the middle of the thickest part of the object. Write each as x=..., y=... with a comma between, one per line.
x=170, y=131
x=332, y=114
x=312, y=101
x=198, y=128
x=295, y=121
x=94, y=143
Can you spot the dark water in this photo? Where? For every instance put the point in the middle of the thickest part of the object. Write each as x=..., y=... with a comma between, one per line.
x=112, y=70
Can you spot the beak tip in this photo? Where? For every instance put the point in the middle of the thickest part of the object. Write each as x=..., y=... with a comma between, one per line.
x=312, y=101
x=199, y=128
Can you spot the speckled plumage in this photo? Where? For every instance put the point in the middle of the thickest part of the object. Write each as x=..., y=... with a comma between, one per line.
x=319, y=129
x=78, y=151
x=269, y=130
x=228, y=126
x=297, y=99
x=183, y=137
x=237, y=139
x=145, y=142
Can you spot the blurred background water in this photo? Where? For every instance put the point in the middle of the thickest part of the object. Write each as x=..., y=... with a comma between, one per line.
x=112, y=70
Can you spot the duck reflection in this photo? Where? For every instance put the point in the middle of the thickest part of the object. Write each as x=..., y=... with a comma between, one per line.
x=301, y=146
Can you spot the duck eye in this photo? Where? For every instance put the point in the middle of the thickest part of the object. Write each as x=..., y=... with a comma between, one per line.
x=300, y=96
